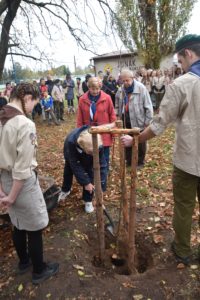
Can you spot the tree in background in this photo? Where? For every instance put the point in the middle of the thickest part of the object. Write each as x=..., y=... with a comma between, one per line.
x=27, y=74
x=152, y=26
x=22, y=21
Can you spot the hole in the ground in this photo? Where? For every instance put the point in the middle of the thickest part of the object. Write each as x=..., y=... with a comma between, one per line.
x=143, y=256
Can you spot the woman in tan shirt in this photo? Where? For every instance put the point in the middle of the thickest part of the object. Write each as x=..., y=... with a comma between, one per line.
x=20, y=192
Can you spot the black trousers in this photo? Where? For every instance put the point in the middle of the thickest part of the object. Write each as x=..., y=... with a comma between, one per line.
x=29, y=245
x=142, y=148
x=67, y=183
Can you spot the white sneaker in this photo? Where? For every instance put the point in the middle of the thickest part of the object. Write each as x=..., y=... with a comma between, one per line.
x=89, y=208
x=63, y=195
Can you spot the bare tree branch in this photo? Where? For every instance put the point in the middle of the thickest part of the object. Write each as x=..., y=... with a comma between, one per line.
x=24, y=55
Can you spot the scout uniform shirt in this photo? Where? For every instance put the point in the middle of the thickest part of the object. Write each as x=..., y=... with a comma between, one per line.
x=18, y=144
x=17, y=161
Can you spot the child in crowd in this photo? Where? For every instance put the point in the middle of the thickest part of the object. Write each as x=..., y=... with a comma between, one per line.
x=7, y=91
x=58, y=97
x=20, y=192
x=47, y=105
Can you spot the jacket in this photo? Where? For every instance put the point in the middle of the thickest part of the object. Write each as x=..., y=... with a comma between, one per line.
x=140, y=105
x=82, y=163
x=57, y=93
x=69, y=85
x=105, y=114
x=181, y=106
x=47, y=102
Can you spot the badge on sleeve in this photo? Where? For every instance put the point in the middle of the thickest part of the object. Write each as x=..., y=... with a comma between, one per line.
x=33, y=138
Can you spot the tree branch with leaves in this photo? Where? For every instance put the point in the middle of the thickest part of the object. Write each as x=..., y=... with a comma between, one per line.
x=152, y=26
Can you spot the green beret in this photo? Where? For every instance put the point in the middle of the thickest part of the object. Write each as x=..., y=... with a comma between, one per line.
x=187, y=41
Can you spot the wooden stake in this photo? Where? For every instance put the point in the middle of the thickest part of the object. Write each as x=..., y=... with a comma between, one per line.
x=132, y=210
x=124, y=198
x=134, y=131
x=99, y=198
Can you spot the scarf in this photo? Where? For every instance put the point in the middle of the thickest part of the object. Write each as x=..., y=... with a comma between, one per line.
x=128, y=90
x=195, y=68
x=93, y=101
x=8, y=112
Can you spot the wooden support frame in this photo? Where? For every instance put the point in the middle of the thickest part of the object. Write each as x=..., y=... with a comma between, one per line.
x=99, y=195
x=132, y=207
x=99, y=198
x=119, y=124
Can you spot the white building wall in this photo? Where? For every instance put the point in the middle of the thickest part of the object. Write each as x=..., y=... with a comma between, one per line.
x=117, y=64
x=132, y=62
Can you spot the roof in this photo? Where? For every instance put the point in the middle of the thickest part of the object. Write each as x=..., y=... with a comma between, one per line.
x=115, y=54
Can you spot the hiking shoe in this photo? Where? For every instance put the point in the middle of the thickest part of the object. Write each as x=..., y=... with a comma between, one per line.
x=184, y=260
x=63, y=195
x=89, y=208
x=50, y=270
x=23, y=268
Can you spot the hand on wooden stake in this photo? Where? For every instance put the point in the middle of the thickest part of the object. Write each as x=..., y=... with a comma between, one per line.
x=127, y=140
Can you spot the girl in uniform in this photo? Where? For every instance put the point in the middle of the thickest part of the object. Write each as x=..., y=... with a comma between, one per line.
x=20, y=192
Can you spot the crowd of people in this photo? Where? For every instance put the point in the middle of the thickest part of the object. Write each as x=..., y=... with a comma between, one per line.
x=178, y=102
x=51, y=105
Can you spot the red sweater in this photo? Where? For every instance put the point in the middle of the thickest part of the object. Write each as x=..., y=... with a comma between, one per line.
x=105, y=114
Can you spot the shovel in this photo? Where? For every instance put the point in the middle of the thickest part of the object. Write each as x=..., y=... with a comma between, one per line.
x=109, y=226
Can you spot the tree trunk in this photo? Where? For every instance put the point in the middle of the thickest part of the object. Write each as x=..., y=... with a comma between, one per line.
x=99, y=198
x=7, y=22
x=124, y=199
x=132, y=209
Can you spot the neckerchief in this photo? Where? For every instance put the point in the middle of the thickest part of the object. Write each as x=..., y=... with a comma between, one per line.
x=8, y=112
x=93, y=101
x=195, y=68
x=128, y=90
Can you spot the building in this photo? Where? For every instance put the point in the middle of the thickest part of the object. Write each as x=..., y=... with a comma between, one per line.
x=118, y=60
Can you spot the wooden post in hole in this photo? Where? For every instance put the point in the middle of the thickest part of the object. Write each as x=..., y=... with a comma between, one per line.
x=124, y=198
x=99, y=199
x=132, y=206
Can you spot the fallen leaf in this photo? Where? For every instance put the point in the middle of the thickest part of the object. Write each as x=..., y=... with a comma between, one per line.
x=81, y=273
x=138, y=297
x=194, y=267
x=180, y=266
x=156, y=219
x=78, y=267
x=149, y=228
x=48, y=295
x=158, y=238
x=128, y=285
x=20, y=287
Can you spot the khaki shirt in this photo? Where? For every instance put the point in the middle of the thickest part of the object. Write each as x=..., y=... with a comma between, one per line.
x=18, y=144
x=181, y=105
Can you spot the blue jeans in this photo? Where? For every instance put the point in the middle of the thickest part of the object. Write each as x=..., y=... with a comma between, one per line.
x=106, y=150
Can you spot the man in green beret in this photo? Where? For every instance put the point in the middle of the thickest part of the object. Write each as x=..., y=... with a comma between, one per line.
x=181, y=105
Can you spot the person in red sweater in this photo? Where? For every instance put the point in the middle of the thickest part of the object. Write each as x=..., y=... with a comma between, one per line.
x=95, y=108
